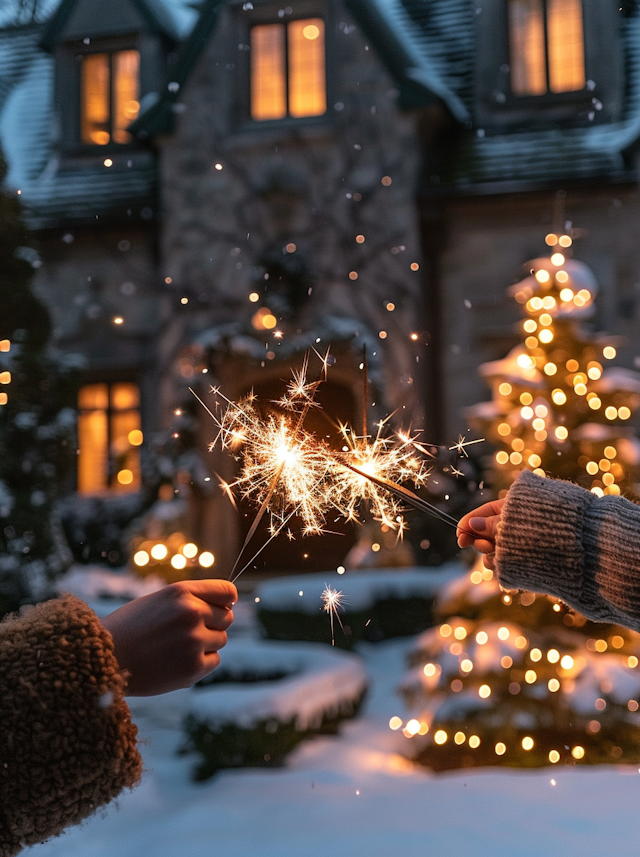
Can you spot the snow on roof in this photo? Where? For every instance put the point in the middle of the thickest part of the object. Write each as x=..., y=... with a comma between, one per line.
x=361, y=589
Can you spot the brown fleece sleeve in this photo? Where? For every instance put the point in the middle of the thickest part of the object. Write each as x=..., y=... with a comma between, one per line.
x=558, y=538
x=67, y=743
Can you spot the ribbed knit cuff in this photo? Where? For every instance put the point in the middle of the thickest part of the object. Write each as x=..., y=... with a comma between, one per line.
x=558, y=538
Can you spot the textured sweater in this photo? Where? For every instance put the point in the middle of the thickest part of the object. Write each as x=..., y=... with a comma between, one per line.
x=558, y=538
x=67, y=743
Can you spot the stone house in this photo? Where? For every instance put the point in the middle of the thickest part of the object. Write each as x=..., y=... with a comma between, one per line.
x=217, y=190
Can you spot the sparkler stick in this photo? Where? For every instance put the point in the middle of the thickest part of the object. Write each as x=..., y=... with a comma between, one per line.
x=332, y=599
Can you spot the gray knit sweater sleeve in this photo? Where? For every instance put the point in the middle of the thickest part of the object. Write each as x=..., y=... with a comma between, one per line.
x=558, y=538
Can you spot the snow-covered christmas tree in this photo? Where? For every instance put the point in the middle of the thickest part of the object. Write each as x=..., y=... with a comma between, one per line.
x=515, y=678
x=557, y=406
x=37, y=424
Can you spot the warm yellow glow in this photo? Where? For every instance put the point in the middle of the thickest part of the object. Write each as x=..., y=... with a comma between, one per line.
x=466, y=665
x=601, y=646
x=460, y=633
x=578, y=752
x=531, y=342
x=535, y=655
x=502, y=457
x=527, y=743
x=527, y=52
x=413, y=727
x=268, y=72
x=125, y=70
x=595, y=403
x=610, y=451
x=5, y=345
x=632, y=661
x=484, y=691
x=206, y=559
x=580, y=389
x=526, y=398
x=109, y=96
x=178, y=561
x=521, y=642
x=3, y=398
x=565, y=241
x=545, y=336
x=482, y=638
x=306, y=58
x=551, y=239
x=190, y=550
x=446, y=630
x=263, y=319
x=459, y=738
x=500, y=748
x=474, y=741
x=545, y=319
x=395, y=723
x=530, y=325
x=440, y=737
x=611, y=413
x=159, y=551
x=548, y=302
x=553, y=685
x=135, y=437
x=609, y=352
x=542, y=276
x=254, y=297
x=429, y=669
x=557, y=259
x=553, y=656
x=525, y=362
x=515, y=458
x=530, y=676
x=141, y=558
x=504, y=429
x=566, y=662
x=554, y=757
x=565, y=39
x=503, y=633
x=558, y=396
x=624, y=413
x=505, y=389
x=125, y=477
x=561, y=433
x=566, y=295
x=550, y=368
x=534, y=460
x=476, y=577
x=517, y=444
x=5, y=377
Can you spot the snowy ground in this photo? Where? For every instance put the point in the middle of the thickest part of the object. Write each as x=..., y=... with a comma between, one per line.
x=353, y=795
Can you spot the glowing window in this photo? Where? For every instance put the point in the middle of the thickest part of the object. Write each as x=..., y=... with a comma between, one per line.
x=109, y=96
x=288, y=70
x=546, y=46
x=109, y=438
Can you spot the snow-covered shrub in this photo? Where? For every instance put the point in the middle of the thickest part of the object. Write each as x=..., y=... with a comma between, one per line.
x=266, y=699
x=376, y=604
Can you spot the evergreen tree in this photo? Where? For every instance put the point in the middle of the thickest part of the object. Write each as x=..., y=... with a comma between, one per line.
x=555, y=408
x=37, y=424
x=522, y=680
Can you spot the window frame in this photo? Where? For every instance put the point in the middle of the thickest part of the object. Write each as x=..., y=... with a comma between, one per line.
x=110, y=489
x=69, y=90
x=268, y=14
x=497, y=107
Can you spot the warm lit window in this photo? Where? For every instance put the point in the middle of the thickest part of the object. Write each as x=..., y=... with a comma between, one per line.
x=109, y=96
x=288, y=70
x=546, y=46
x=109, y=438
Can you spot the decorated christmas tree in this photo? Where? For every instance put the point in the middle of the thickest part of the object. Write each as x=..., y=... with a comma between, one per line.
x=558, y=407
x=515, y=678
x=37, y=424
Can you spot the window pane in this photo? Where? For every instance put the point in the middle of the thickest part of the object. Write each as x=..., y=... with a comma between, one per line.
x=566, y=45
x=526, y=47
x=125, y=456
x=268, y=83
x=92, y=452
x=93, y=396
x=124, y=396
x=307, y=86
x=94, y=82
x=125, y=67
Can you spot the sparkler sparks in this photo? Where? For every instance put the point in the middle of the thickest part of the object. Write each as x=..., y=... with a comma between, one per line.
x=332, y=600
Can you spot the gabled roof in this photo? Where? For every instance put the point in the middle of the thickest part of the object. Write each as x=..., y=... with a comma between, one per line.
x=66, y=191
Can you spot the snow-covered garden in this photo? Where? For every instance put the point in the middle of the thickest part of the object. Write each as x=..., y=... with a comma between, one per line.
x=350, y=793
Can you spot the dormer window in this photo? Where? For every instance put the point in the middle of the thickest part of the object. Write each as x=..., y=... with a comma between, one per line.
x=546, y=46
x=109, y=96
x=288, y=77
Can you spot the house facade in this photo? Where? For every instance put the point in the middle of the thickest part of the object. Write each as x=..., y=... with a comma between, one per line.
x=217, y=191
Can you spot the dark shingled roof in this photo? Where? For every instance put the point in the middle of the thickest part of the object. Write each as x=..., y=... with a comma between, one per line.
x=429, y=47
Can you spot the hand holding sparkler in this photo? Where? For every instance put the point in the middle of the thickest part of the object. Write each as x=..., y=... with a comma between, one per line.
x=171, y=638
x=478, y=529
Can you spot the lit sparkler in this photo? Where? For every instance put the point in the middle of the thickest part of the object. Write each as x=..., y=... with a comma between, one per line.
x=332, y=600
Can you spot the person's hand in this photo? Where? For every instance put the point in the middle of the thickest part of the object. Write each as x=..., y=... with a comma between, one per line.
x=478, y=529
x=170, y=639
